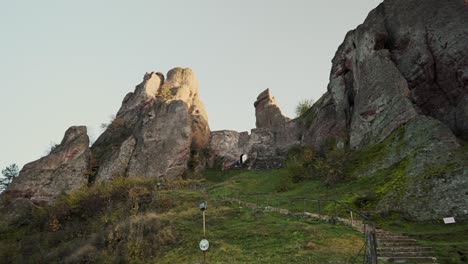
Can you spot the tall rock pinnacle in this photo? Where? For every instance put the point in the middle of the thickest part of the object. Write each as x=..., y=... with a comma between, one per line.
x=267, y=112
x=157, y=129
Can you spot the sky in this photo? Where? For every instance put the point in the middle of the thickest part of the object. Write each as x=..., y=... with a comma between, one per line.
x=65, y=63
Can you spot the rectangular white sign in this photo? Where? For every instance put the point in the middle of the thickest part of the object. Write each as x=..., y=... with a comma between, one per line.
x=449, y=220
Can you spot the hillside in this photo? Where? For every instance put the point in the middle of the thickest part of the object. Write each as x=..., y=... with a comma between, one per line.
x=448, y=241
x=134, y=221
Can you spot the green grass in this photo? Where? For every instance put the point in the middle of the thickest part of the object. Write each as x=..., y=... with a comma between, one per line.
x=449, y=241
x=131, y=221
x=241, y=235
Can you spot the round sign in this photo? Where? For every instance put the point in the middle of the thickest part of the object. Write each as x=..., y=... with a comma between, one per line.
x=204, y=245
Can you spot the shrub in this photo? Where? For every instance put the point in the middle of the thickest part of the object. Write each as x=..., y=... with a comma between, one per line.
x=141, y=237
x=285, y=183
x=9, y=173
x=299, y=163
x=303, y=106
x=297, y=170
x=332, y=168
x=166, y=94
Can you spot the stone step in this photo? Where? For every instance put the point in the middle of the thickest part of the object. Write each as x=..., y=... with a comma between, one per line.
x=384, y=232
x=384, y=244
x=409, y=259
x=404, y=249
x=396, y=239
x=380, y=237
x=428, y=254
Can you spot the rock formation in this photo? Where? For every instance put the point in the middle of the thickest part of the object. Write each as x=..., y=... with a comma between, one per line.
x=160, y=128
x=64, y=170
x=156, y=130
x=267, y=113
x=404, y=69
x=226, y=147
x=399, y=79
x=407, y=59
x=268, y=143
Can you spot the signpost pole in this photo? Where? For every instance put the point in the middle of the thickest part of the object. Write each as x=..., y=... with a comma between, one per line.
x=204, y=244
x=204, y=230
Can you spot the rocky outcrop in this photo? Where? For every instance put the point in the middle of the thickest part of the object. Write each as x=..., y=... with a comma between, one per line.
x=406, y=59
x=431, y=179
x=226, y=148
x=267, y=113
x=266, y=146
x=399, y=80
x=403, y=69
x=64, y=170
x=157, y=129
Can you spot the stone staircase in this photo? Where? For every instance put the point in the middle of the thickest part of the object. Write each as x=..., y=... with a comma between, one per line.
x=391, y=247
x=398, y=248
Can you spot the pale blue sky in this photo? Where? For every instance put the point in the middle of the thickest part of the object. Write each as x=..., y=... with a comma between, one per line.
x=65, y=63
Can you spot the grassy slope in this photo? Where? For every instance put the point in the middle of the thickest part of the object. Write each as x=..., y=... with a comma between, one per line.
x=449, y=241
x=130, y=221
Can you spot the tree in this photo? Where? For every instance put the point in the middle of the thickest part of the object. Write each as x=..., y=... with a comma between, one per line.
x=9, y=173
x=303, y=106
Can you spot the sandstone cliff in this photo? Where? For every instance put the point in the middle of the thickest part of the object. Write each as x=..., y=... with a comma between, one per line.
x=161, y=130
x=403, y=73
x=398, y=83
x=267, y=112
x=64, y=170
x=156, y=130
x=407, y=59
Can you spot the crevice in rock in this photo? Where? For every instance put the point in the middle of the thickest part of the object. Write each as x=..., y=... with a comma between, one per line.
x=434, y=68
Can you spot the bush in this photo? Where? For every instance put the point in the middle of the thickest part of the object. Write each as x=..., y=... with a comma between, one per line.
x=303, y=165
x=141, y=237
x=166, y=94
x=9, y=173
x=285, y=183
x=299, y=163
x=332, y=168
x=303, y=106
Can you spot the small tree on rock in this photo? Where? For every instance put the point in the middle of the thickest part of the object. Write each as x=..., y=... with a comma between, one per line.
x=303, y=106
x=9, y=173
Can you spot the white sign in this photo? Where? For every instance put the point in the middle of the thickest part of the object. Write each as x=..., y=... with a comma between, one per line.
x=449, y=220
x=204, y=245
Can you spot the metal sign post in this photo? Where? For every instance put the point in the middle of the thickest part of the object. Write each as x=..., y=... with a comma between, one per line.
x=204, y=229
x=204, y=244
